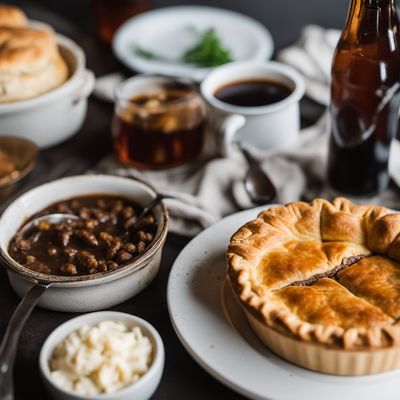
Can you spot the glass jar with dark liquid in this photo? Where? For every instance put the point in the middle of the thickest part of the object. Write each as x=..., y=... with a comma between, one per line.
x=158, y=122
x=365, y=98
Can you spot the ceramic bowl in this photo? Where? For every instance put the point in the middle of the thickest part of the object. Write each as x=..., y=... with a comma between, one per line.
x=87, y=292
x=52, y=117
x=140, y=390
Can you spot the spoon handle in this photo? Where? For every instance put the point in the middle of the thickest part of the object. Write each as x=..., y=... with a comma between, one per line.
x=249, y=158
x=150, y=205
x=8, y=347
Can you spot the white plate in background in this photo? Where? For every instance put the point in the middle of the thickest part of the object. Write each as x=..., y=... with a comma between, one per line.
x=199, y=308
x=170, y=31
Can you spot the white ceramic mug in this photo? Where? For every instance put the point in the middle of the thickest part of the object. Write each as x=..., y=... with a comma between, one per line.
x=271, y=126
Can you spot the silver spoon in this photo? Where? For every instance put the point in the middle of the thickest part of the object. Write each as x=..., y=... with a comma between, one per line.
x=257, y=183
x=146, y=209
x=59, y=217
x=151, y=204
x=9, y=343
x=52, y=218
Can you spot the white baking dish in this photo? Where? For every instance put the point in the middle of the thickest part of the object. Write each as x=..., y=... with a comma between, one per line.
x=54, y=116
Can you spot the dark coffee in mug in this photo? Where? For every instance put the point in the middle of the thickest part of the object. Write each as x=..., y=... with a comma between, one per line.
x=252, y=92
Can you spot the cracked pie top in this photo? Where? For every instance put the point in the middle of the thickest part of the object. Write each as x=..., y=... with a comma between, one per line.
x=321, y=272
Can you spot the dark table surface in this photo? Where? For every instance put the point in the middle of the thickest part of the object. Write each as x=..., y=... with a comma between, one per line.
x=182, y=377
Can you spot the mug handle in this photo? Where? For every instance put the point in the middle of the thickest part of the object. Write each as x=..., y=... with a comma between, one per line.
x=228, y=129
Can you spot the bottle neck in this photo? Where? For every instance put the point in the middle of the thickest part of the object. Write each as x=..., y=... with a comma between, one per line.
x=371, y=20
x=356, y=5
x=379, y=3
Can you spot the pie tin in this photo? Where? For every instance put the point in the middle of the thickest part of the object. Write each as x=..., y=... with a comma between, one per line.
x=324, y=359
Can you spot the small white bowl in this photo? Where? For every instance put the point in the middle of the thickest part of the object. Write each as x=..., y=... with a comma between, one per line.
x=86, y=292
x=143, y=389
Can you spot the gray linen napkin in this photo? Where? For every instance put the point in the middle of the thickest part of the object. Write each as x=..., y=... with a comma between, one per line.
x=213, y=186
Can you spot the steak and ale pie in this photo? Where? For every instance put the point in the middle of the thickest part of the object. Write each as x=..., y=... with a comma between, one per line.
x=320, y=284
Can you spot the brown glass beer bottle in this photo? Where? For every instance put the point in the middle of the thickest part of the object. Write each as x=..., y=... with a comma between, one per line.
x=365, y=98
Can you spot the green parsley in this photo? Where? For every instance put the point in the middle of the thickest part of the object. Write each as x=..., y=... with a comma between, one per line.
x=208, y=52
x=144, y=53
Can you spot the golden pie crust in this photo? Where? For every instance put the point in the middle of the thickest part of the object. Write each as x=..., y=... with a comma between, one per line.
x=323, y=273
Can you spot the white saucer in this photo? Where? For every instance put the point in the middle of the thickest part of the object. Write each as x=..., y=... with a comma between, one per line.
x=172, y=30
x=233, y=354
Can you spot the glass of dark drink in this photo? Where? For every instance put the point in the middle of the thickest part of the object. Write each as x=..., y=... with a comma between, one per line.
x=110, y=14
x=159, y=122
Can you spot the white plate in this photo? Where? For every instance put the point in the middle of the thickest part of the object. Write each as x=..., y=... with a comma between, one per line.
x=172, y=30
x=234, y=356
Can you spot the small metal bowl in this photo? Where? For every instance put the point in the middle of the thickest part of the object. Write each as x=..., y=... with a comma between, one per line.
x=23, y=153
